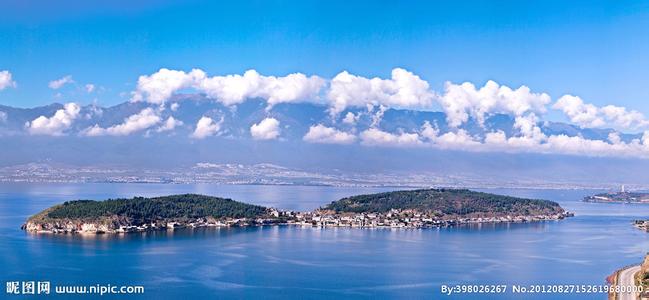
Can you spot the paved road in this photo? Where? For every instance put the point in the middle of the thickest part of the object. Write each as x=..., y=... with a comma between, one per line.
x=626, y=279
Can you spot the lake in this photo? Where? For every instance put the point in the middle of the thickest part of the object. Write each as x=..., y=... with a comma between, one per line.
x=314, y=263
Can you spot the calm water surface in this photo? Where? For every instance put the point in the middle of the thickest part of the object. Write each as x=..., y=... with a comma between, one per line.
x=294, y=262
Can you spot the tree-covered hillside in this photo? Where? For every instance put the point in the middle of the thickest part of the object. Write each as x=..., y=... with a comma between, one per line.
x=445, y=202
x=141, y=209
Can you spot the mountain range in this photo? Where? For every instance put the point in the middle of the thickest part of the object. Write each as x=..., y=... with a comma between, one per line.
x=156, y=147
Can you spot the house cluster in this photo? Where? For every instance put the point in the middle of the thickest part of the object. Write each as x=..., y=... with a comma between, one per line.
x=396, y=219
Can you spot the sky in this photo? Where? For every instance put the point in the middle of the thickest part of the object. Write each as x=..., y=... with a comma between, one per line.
x=593, y=49
x=581, y=63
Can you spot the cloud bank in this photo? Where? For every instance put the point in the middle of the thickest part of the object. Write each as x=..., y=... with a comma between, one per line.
x=230, y=89
x=345, y=93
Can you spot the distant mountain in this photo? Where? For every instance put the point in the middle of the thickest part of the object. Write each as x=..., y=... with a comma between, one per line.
x=153, y=149
x=295, y=119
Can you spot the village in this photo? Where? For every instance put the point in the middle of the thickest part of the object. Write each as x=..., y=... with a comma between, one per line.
x=398, y=219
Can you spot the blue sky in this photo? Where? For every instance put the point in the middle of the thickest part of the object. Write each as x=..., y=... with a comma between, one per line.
x=597, y=50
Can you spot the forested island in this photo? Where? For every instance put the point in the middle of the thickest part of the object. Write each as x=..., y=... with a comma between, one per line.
x=409, y=209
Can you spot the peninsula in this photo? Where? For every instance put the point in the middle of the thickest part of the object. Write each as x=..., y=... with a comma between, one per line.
x=619, y=197
x=402, y=209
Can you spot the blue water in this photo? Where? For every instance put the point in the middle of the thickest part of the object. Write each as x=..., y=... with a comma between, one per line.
x=312, y=263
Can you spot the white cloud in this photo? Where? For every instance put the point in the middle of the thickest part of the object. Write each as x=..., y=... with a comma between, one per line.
x=378, y=115
x=459, y=139
x=234, y=89
x=403, y=90
x=170, y=124
x=328, y=135
x=622, y=118
x=145, y=119
x=59, y=83
x=206, y=127
x=229, y=89
x=583, y=114
x=351, y=118
x=90, y=88
x=6, y=80
x=460, y=102
x=267, y=129
x=174, y=106
x=529, y=139
x=159, y=86
x=576, y=145
x=57, y=124
x=591, y=116
x=3, y=117
x=374, y=137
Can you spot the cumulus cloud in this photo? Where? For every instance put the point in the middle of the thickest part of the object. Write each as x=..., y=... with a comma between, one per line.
x=159, y=86
x=528, y=139
x=462, y=101
x=403, y=90
x=229, y=89
x=328, y=135
x=234, y=89
x=351, y=118
x=377, y=137
x=59, y=83
x=583, y=114
x=6, y=80
x=567, y=145
x=591, y=116
x=459, y=139
x=145, y=119
x=267, y=129
x=205, y=127
x=170, y=124
x=56, y=124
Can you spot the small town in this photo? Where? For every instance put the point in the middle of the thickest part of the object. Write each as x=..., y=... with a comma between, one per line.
x=396, y=218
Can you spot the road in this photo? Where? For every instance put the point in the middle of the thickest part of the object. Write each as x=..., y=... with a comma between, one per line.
x=625, y=278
